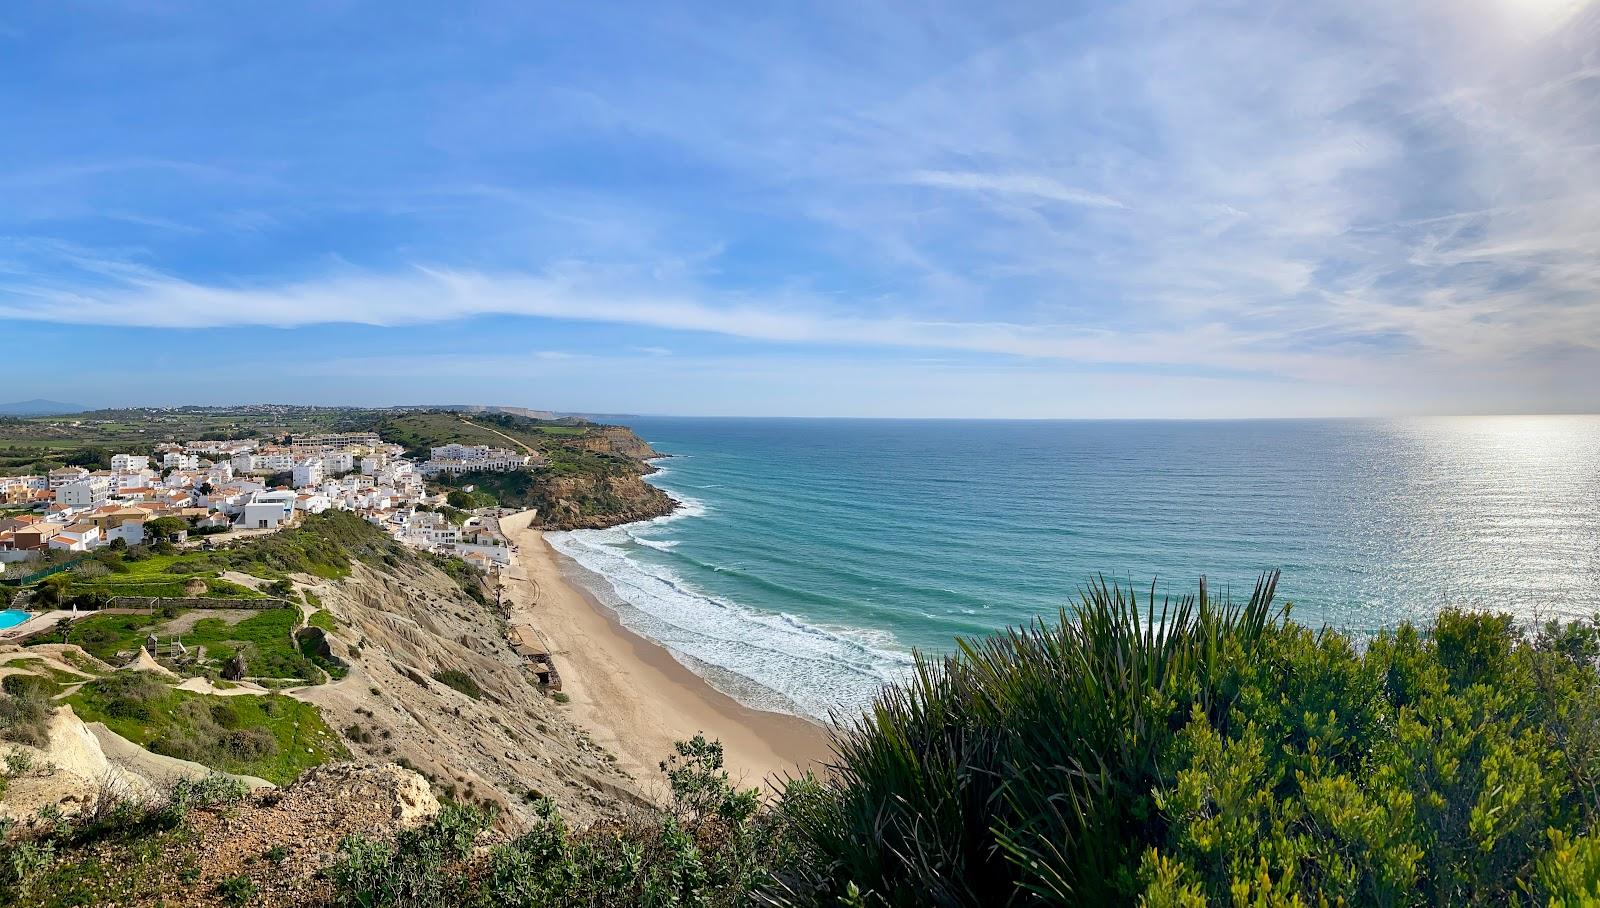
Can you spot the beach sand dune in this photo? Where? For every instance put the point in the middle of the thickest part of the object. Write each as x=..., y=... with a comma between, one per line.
x=629, y=693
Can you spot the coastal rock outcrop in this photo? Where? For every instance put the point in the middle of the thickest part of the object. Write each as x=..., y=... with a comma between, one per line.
x=594, y=502
x=619, y=441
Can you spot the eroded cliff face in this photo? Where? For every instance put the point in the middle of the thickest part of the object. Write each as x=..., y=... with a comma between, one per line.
x=402, y=627
x=617, y=440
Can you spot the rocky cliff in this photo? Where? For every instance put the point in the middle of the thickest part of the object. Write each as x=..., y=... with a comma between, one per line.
x=594, y=500
x=616, y=440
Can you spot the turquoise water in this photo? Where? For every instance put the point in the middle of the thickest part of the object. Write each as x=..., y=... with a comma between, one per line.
x=12, y=617
x=812, y=555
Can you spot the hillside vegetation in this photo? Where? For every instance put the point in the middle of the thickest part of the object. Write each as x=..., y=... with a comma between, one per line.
x=1136, y=752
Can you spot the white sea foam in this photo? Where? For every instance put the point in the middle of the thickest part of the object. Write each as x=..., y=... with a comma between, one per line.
x=770, y=661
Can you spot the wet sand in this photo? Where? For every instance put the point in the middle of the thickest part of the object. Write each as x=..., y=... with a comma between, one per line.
x=628, y=692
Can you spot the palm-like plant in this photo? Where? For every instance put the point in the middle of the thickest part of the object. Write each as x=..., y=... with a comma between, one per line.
x=1019, y=770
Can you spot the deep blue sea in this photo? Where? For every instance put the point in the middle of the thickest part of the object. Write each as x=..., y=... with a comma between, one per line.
x=811, y=556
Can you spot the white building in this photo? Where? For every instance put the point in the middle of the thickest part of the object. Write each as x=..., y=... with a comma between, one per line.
x=61, y=477
x=274, y=463
x=133, y=479
x=79, y=537
x=336, y=462
x=129, y=463
x=268, y=510
x=454, y=459
x=180, y=461
x=84, y=493
x=308, y=472
x=129, y=531
x=262, y=463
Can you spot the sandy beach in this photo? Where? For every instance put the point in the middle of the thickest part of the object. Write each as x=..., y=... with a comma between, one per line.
x=631, y=695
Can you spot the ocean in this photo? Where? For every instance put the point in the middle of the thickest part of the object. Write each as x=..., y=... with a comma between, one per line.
x=811, y=556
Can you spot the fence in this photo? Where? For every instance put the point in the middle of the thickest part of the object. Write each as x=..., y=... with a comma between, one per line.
x=39, y=574
x=149, y=602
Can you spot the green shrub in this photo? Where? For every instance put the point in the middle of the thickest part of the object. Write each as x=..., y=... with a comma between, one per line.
x=236, y=890
x=412, y=870
x=459, y=680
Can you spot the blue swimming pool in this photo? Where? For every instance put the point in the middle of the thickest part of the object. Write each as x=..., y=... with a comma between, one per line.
x=12, y=617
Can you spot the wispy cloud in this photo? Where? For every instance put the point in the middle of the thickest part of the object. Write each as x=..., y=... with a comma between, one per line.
x=1019, y=184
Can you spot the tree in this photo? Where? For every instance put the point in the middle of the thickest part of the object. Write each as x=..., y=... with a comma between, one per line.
x=162, y=527
x=53, y=591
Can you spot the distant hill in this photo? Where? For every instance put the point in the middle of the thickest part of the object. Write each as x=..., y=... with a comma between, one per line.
x=513, y=411
x=37, y=407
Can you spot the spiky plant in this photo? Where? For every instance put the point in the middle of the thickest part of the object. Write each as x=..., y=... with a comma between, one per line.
x=1019, y=770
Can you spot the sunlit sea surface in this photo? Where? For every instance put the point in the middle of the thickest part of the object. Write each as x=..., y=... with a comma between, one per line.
x=811, y=556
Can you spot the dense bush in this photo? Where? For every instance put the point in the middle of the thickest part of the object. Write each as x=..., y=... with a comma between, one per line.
x=1197, y=753
x=470, y=501
x=213, y=734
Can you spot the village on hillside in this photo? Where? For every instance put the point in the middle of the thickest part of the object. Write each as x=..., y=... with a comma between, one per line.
x=243, y=487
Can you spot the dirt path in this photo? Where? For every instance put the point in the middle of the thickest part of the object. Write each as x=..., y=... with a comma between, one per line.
x=522, y=445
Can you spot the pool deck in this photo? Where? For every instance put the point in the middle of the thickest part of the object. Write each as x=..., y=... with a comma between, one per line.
x=39, y=622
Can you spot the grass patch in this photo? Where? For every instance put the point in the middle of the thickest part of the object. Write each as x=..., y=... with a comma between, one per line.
x=272, y=737
x=266, y=636
x=132, y=870
x=457, y=679
x=324, y=619
x=105, y=636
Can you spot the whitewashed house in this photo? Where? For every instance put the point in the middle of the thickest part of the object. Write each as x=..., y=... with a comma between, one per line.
x=130, y=532
x=268, y=510
x=78, y=537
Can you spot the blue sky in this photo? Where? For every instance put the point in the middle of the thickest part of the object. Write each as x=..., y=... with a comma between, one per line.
x=977, y=209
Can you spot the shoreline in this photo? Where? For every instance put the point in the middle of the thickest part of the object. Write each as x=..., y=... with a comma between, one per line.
x=630, y=693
